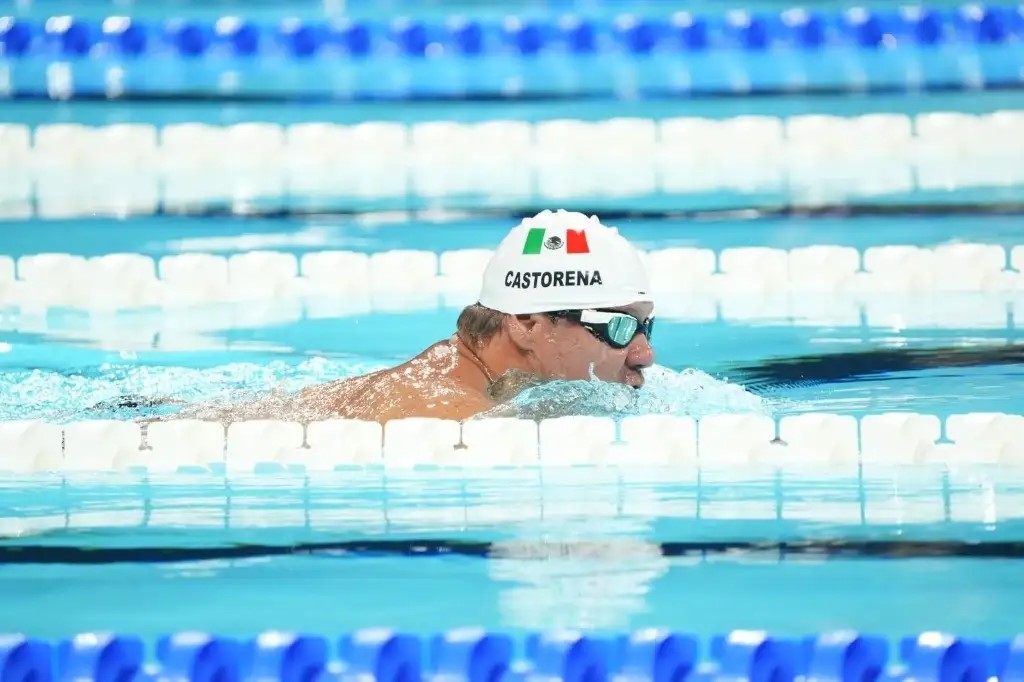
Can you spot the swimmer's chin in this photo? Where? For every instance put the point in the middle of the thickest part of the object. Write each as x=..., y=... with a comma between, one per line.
x=634, y=380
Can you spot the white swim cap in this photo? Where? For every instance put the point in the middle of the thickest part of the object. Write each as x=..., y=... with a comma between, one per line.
x=563, y=261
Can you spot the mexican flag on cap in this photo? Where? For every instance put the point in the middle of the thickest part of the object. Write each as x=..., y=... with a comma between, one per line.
x=538, y=238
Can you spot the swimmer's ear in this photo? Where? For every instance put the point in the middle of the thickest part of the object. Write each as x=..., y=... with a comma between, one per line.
x=522, y=330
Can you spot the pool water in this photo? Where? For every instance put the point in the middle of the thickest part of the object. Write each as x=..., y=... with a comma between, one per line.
x=934, y=353
x=426, y=552
x=891, y=550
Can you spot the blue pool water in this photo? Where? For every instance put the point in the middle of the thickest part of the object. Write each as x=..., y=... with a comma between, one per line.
x=65, y=361
x=67, y=366
x=582, y=548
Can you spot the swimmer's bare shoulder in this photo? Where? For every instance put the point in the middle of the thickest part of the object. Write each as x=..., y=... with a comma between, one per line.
x=382, y=398
x=414, y=389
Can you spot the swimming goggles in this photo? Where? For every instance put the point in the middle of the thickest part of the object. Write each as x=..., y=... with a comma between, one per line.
x=614, y=327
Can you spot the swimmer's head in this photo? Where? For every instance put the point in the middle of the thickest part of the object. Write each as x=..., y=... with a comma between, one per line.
x=569, y=297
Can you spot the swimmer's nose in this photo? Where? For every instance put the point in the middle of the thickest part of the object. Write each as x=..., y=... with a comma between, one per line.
x=639, y=353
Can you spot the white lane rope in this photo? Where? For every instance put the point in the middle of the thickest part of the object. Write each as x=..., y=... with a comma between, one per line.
x=62, y=170
x=752, y=443
x=366, y=499
x=413, y=279
x=204, y=327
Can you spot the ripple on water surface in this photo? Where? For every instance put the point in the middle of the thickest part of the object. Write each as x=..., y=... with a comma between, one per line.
x=127, y=391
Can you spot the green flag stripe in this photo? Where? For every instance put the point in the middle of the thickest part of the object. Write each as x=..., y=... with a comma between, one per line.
x=534, y=240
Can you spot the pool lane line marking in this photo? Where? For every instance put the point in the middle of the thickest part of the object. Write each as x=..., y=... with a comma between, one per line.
x=520, y=549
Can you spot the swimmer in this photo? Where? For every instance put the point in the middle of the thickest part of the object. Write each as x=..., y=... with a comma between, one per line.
x=563, y=297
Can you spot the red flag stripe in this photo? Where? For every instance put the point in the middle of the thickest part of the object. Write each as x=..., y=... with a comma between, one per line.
x=576, y=241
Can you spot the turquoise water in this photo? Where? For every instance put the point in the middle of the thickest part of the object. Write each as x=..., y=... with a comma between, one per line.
x=64, y=362
x=578, y=548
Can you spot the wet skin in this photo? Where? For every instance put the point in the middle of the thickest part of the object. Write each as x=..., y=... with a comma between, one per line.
x=451, y=380
x=570, y=351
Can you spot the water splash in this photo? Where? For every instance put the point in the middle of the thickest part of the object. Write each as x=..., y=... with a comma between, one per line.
x=665, y=391
x=131, y=391
x=137, y=391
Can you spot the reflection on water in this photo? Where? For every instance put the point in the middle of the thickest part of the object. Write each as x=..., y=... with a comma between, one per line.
x=848, y=366
x=574, y=548
x=516, y=505
x=578, y=582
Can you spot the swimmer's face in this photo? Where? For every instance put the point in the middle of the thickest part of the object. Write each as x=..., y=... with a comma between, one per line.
x=566, y=350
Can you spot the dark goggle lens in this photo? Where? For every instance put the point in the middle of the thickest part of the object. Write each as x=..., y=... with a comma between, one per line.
x=620, y=330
